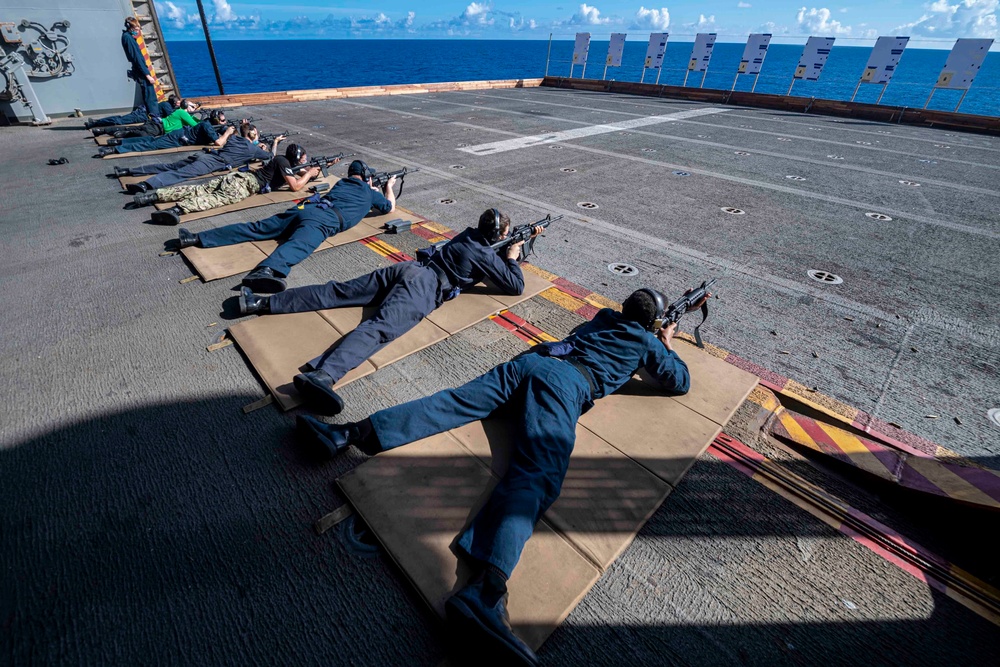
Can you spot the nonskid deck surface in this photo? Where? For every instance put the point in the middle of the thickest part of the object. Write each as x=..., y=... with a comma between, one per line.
x=136, y=490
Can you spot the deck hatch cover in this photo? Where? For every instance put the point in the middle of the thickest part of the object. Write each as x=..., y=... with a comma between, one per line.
x=824, y=277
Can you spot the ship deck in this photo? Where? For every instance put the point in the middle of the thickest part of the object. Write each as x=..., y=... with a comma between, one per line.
x=146, y=518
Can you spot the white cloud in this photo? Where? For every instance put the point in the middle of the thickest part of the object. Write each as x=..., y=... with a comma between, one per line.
x=588, y=15
x=516, y=24
x=817, y=22
x=744, y=5
x=224, y=12
x=968, y=18
x=477, y=14
x=176, y=16
x=652, y=19
x=842, y=10
x=705, y=23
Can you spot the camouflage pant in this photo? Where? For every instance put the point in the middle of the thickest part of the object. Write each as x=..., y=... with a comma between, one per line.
x=221, y=191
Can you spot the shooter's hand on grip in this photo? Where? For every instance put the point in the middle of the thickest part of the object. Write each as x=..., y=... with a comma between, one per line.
x=666, y=335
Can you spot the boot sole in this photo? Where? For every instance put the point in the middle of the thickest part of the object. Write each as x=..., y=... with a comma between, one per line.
x=317, y=398
x=309, y=430
x=269, y=285
x=164, y=218
x=466, y=623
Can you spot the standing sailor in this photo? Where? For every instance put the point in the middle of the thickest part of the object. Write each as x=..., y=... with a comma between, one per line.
x=404, y=293
x=301, y=228
x=140, y=71
x=544, y=395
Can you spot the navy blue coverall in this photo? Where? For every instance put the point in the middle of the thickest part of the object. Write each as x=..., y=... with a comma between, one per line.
x=302, y=228
x=237, y=152
x=544, y=397
x=139, y=71
x=404, y=293
x=137, y=115
x=201, y=134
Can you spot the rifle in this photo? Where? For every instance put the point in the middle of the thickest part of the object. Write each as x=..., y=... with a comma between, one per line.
x=678, y=308
x=524, y=233
x=239, y=121
x=322, y=162
x=269, y=138
x=379, y=179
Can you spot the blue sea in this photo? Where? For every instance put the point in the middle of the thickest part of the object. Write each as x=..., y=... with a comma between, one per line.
x=265, y=66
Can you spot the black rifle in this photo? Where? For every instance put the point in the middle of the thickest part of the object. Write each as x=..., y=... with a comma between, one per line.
x=239, y=121
x=269, y=138
x=323, y=162
x=678, y=308
x=524, y=233
x=379, y=179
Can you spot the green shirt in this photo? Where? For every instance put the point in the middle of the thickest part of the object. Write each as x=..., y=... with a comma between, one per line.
x=177, y=120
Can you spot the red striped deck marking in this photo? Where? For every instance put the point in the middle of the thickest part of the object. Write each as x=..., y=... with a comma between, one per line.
x=973, y=593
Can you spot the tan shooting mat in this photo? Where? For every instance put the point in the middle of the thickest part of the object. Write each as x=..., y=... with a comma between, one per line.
x=632, y=450
x=162, y=151
x=278, y=346
x=225, y=261
x=129, y=180
x=273, y=197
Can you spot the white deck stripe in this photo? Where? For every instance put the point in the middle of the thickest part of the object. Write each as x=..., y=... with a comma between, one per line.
x=590, y=130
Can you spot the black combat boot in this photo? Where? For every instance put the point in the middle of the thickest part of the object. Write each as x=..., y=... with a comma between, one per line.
x=186, y=239
x=251, y=303
x=122, y=171
x=89, y=123
x=168, y=216
x=316, y=388
x=477, y=616
x=113, y=142
x=262, y=279
x=324, y=441
x=104, y=151
x=136, y=188
x=146, y=199
x=98, y=131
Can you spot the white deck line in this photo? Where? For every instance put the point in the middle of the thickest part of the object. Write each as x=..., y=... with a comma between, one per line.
x=589, y=131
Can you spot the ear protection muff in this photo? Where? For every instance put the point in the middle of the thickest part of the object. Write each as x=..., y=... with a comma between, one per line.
x=294, y=153
x=661, y=307
x=491, y=226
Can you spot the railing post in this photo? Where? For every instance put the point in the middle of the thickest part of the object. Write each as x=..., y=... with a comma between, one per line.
x=211, y=49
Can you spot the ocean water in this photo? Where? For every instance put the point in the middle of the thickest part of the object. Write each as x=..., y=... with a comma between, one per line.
x=263, y=66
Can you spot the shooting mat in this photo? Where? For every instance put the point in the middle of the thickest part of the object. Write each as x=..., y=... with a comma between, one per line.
x=214, y=263
x=128, y=180
x=632, y=449
x=277, y=346
x=273, y=197
x=162, y=151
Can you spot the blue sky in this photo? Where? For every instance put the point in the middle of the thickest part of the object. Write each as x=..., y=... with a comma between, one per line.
x=852, y=22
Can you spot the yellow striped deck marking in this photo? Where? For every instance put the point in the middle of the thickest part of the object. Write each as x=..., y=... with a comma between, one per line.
x=860, y=455
x=435, y=227
x=599, y=301
x=381, y=247
x=796, y=432
x=560, y=298
x=949, y=482
x=539, y=272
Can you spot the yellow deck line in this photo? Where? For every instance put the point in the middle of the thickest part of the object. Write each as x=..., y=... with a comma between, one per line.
x=854, y=448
